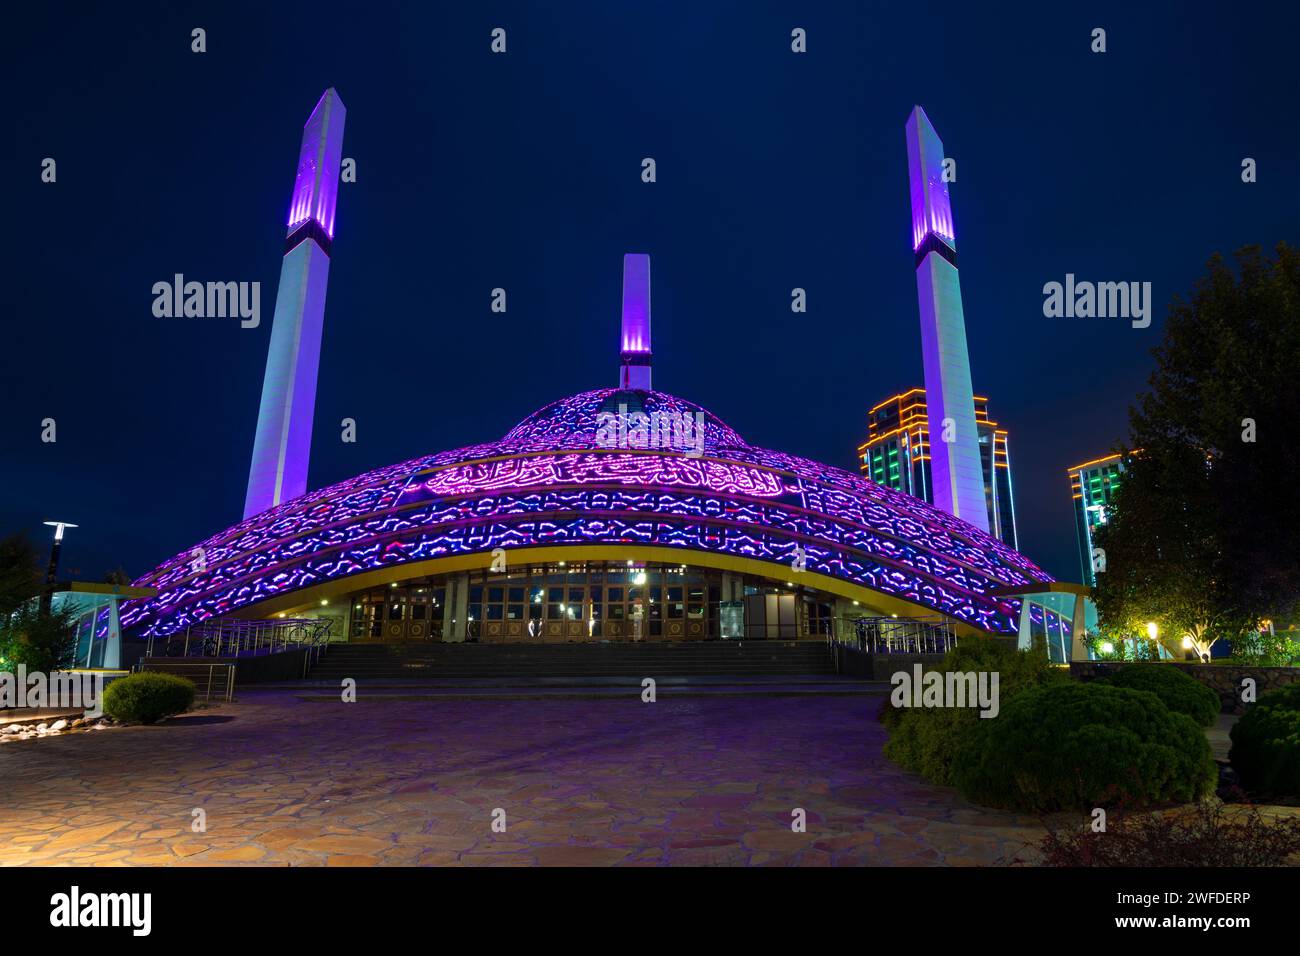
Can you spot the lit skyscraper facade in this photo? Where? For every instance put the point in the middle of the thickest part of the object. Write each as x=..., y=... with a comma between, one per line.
x=957, y=481
x=282, y=444
x=1093, y=485
x=897, y=455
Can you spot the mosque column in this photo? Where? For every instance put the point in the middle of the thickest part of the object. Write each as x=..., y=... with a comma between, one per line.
x=455, y=624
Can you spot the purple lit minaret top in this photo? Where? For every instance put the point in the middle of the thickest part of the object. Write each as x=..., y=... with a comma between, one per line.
x=634, y=366
x=316, y=188
x=931, y=210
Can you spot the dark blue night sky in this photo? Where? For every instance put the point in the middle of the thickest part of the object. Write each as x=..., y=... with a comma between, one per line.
x=522, y=171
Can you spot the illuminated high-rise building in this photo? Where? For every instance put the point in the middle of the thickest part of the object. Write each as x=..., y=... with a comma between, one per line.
x=282, y=445
x=897, y=454
x=1093, y=485
x=957, y=481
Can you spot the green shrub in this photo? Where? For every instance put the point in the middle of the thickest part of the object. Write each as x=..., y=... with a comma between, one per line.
x=925, y=739
x=147, y=697
x=1266, y=743
x=1180, y=692
x=1078, y=746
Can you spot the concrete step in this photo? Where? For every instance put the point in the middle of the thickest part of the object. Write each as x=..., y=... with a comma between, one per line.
x=595, y=659
x=374, y=691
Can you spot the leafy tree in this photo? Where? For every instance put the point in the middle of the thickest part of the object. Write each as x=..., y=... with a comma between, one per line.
x=1204, y=533
x=44, y=641
x=118, y=576
x=20, y=572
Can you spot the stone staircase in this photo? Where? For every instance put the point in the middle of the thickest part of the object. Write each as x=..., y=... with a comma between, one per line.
x=436, y=662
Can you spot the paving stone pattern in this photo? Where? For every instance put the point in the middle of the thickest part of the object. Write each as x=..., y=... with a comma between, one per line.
x=582, y=782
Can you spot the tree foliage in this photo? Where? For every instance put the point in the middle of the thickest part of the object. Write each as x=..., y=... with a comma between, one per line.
x=43, y=641
x=1204, y=532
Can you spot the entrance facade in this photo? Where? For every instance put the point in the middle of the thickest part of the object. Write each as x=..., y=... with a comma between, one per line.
x=581, y=601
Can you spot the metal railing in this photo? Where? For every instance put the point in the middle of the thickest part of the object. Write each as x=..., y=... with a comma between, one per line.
x=897, y=635
x=237, y=638
x=206, y=677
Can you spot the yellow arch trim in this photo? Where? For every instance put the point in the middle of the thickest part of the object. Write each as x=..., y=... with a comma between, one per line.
x=308, y=598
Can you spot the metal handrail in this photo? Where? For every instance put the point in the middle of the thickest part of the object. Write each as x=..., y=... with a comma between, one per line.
x=903, y=635
x=201, y=689
x=220, y=637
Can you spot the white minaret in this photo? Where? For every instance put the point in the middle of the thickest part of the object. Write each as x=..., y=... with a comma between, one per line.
x=282, y=445
x=958, y=479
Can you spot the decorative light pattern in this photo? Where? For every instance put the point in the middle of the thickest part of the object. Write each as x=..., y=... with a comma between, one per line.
x=534, y=489
x=639, y=470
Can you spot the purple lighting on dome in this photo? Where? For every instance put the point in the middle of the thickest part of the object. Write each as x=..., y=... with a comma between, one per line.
x=931, y=209
x=655, y=471
x=542, y=486
x=634, y=368
x=316, y=185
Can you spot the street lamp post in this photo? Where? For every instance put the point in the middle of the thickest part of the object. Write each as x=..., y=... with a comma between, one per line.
x=51, y=572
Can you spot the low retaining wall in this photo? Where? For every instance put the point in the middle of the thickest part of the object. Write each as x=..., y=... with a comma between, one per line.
x=259, y=669
x=1224, y=679
x=855, y=663
x=284, y=665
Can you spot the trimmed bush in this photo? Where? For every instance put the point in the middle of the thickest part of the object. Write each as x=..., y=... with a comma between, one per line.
x=1266, y=743
x=925, y=740
x=147, y=697
x=1180, y=692
x=1071, y=746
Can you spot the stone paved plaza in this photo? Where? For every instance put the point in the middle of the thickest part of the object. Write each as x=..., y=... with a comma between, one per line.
x=282, y=781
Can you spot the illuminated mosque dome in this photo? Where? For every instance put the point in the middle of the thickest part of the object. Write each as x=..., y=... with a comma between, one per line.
x=556, y=489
